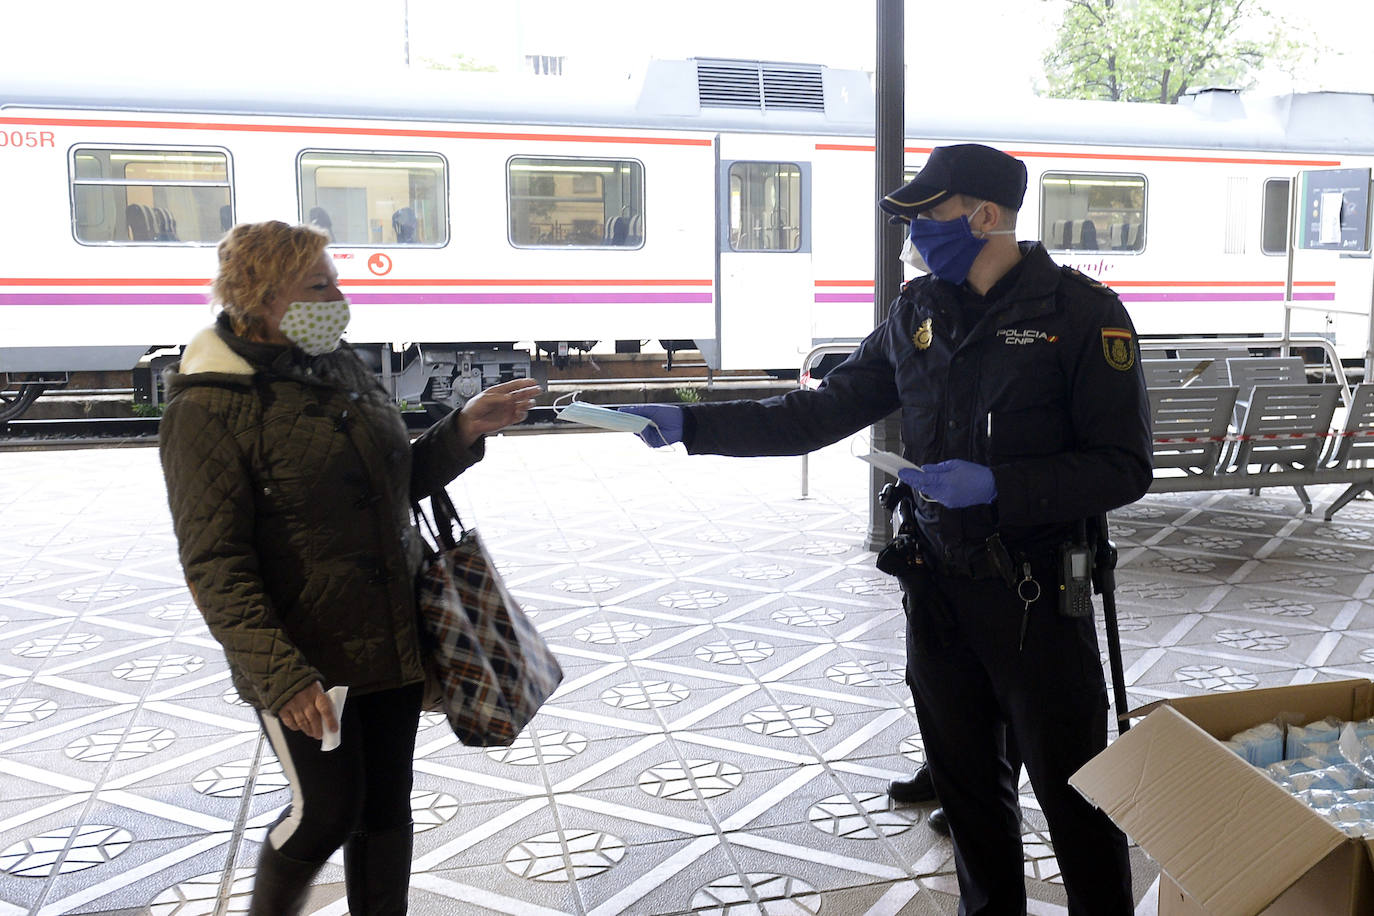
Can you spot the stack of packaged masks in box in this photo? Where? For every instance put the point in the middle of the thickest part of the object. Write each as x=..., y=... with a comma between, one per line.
x=1329, y=765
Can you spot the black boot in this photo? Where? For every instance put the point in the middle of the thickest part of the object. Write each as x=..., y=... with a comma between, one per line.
x=282, y=883
x=377, y=871
x=919, y=788
x=938, y=822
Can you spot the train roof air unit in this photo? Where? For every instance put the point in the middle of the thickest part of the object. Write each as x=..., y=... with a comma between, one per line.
x=754, y=84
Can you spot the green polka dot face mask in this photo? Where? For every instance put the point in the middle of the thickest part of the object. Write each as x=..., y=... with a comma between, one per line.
x=315, y=327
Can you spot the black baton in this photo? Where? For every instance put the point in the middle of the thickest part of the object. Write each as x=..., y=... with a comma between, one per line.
x=1104, y=581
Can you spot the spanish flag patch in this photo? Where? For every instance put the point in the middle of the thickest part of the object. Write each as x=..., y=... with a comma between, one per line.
x=1118, y=348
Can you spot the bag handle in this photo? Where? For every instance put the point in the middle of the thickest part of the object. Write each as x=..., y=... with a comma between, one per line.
x=446, y=518
x=423, y=523
x=446, y=515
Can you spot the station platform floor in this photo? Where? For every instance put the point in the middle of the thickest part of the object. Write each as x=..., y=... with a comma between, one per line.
x=732, y=712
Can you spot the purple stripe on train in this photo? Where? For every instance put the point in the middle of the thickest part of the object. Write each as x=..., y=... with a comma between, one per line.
x=1223, y=297
x=364, y=298
x=1142, y=297
x=570, y=298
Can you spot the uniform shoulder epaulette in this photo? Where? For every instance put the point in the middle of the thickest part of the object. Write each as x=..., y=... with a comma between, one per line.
x=1075, y=274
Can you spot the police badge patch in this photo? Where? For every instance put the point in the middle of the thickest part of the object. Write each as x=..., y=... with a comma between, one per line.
x=923, y=335
x=1118, y=348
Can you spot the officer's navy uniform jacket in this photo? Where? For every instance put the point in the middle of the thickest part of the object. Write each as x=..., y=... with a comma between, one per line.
x=1044, y=389
x=1038, y=381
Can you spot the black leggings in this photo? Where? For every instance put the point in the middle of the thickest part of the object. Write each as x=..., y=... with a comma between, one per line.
x=362, y=785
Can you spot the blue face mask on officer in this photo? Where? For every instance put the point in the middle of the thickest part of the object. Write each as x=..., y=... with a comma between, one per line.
x=946, y=248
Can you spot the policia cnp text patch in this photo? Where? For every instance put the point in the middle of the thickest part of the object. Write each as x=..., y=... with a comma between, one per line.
x=1118, y=349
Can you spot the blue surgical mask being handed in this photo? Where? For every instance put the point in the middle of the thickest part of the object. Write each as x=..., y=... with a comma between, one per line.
x=946, y=247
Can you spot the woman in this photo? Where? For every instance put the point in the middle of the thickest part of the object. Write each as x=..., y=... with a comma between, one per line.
x=290, y=476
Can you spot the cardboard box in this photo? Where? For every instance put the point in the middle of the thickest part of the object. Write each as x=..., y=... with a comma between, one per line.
x=1229, y=840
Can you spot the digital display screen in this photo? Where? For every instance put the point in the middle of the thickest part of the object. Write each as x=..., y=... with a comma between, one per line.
x=1334, y=210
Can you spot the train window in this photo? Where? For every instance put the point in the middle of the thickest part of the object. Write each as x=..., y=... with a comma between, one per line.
x=123, y=196
x=1092, y=212
x=375, y=199
x=588, y=203
x=765, y=206
x=1274, y=221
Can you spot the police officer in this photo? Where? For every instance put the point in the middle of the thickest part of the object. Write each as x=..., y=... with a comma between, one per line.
x=1022, y=399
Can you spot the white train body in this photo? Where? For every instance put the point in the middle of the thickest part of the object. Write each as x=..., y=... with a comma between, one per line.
x=676, y=210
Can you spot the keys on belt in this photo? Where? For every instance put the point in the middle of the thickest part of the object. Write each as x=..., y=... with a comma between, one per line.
x=991, y=560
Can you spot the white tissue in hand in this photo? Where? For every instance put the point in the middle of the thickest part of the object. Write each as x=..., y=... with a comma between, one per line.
x=332, y=736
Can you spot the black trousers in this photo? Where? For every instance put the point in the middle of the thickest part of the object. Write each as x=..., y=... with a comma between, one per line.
x=972, y=677
x=362, y=785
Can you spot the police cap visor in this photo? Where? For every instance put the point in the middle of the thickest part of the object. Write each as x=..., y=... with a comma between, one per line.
x=967, y=168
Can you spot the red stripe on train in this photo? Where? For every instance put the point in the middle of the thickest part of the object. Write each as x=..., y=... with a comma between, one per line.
x=365, y=281
x=352, y=130
x=1121, y=157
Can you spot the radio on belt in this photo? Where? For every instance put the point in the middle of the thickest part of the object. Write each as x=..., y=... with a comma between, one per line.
x=1076, y=581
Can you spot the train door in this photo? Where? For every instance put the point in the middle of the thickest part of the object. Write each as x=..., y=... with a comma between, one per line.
x=766, y=290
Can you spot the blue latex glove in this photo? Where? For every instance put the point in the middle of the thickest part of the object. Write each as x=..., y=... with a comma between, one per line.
x=955, y=483
x=665, y=423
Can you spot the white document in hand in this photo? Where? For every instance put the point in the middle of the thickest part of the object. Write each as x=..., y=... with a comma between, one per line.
x=890, y=462
x=332, y=737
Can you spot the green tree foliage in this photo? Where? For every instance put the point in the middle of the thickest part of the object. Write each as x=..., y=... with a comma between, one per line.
x=457, y=62
x=1156, y=50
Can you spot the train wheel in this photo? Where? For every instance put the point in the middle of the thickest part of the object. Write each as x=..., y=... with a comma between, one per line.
x=15, y=402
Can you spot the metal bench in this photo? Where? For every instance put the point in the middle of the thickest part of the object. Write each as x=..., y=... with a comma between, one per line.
x=1245, y=372
x=1286, y=426
x=1281, y=445
x=1352, y=449
x=1205, y=372
x=1189, y=428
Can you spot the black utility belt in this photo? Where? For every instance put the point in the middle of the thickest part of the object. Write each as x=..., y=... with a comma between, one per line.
x=1071, y=564
x=978, y=565
x=995, y=560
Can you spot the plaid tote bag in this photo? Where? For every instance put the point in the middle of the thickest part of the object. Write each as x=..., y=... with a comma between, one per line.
x=488, y=668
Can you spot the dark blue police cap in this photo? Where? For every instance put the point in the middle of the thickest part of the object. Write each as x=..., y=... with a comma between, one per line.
x=965, y=168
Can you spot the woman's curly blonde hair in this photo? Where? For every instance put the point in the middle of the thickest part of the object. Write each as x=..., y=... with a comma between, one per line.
x=256, y=261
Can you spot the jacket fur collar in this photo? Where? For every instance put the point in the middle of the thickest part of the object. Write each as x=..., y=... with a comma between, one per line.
x=207, y=352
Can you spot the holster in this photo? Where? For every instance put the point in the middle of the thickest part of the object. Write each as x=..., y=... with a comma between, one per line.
x=902, y=555
x=928, y=615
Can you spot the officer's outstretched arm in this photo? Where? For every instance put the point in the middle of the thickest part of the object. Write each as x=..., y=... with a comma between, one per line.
x=665, y=423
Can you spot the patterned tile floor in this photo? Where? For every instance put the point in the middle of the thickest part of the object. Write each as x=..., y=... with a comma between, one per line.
x=732, y=712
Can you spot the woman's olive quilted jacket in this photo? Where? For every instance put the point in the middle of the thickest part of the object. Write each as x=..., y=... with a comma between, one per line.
x=290, y=481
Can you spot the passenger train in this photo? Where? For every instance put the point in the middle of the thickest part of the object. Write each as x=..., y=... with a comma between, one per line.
x=723, y=205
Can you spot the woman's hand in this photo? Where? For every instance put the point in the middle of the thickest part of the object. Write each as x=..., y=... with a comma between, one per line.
x=496, y=408
x=309, y=711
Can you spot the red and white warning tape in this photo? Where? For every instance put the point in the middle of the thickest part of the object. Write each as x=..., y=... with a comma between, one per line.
x=1261, y=437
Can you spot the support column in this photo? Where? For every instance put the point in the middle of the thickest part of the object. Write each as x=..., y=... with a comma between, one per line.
x=889, y=157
